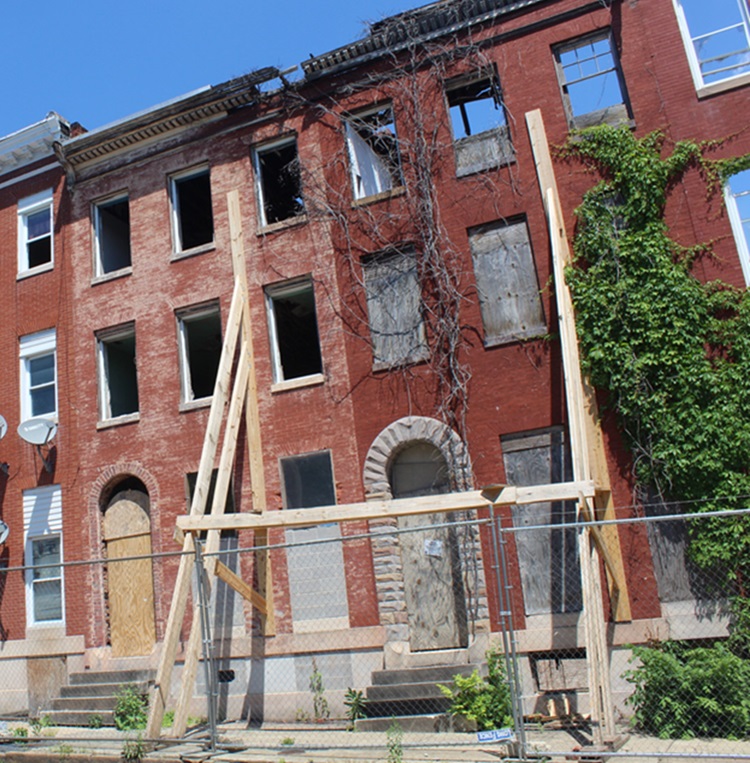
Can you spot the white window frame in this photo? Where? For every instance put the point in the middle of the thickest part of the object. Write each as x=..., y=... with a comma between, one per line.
x=105, y=404
x=99, y=271
x=257, y=152
x=707, y=88
x=33, y=346
x=174, y=199
x=27, y=207
x=278, y=291
x=42, y=520
x=185, y=317
x=743, y=245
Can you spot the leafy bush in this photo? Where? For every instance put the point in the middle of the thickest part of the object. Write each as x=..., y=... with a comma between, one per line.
x=485, y=701
x=683, y=691
x=131, y=710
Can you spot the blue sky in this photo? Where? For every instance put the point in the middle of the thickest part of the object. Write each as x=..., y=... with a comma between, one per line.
x=96, y=62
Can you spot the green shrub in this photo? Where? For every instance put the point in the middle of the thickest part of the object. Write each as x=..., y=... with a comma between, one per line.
x=683, y=691
x=131, y=710
x=355, y=702
x=485, y=701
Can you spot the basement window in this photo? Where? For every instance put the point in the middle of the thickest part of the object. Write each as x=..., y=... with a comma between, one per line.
x=373, y=152
x=112, y=235
x=293, y=330
x=200, y=343
x=394, y=308
x=480, y=130
x=717, y=40
x=279, y=185
x=192, y=214
x=591, y=81
x=737, y=196
x=35, y=240
x=118, y=380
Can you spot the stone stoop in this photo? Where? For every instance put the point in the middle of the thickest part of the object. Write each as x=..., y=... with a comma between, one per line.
x=94, y=693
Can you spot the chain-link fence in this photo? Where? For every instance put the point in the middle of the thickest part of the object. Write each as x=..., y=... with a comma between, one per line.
x=452, y=632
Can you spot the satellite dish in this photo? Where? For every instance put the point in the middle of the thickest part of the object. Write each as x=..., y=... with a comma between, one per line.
x=37, y=431
x=3, y=427
x=4, y=530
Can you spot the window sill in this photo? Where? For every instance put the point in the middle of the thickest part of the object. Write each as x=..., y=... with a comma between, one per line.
x=183, y=255
x=410, y=360
x=535, y=332
x=35, y=271
x=303, y=381
x=191, y=405
x=720, y=87
x=113, y=276
x=390, y=193
x=129, y=418
x=289, y=222
x=484, y=151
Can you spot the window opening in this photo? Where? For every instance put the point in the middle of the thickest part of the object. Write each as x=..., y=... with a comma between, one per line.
x=717, y=38
x=591, y=81
x=419, y=469
x=373, y=152
x=394, y=307
x=200, y=351
x=117, y=373
x=112, y=227
x=46, y=581
x=38, y=374
x=279, y=184
x=191, y=209
x=475, y=107
x=229, y=507
x=737, y=195
x=295, y=345
x=35, y=232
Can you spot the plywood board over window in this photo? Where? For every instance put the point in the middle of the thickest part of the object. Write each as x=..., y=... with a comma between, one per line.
x=507, y=282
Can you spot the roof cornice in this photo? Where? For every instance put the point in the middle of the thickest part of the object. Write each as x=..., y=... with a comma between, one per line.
x=31, y=144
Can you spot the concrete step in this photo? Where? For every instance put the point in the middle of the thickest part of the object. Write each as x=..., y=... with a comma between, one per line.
x=117, y=677
x=434, y=673
x=424, y=724
x=389, y=708
x=99, y=689
x=81, y=718
x=85, y=704
x=404, y=691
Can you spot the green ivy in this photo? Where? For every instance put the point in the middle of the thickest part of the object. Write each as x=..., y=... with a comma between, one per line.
x=672, y=353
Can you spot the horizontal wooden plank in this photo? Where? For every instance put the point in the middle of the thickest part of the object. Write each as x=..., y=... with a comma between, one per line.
x=351, y=512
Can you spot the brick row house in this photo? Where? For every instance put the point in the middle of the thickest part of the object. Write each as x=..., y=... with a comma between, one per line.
x=398, y=259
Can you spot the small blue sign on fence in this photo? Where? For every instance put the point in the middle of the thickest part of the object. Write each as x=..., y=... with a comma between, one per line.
x=496, y=735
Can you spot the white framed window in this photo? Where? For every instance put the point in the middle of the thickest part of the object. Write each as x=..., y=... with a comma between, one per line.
x=717, y=40
x=591, y=81
x=112, y=235
x=200, y=343
x=42, y=515
x=38, y=374
x=192, y=212
x=737, y=197
x=278, y=181
x=118, y=378
x=293, y=330
x=373, y=152
x=35, y=233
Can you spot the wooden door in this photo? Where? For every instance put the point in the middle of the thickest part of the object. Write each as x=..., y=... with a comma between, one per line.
x=127, y=532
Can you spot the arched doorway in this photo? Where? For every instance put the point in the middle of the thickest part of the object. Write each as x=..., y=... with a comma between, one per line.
x=126, y=530
x=433, y=585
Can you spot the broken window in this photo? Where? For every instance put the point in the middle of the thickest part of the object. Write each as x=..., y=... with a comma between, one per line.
x=373, y=152
x=394, y=307
x=199, y=331
x=35, y=241
x=717, y=38
x=293, y=329
x=591, y=81
x=112, y=235
x=278, y=177
x=507, y=283
x=38, y=374
x=737, y=195
x=118, y=381
x=480, y=130
x=192, y=215
x=317, y=584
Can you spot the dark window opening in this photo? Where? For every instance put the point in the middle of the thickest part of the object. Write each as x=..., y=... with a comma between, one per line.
x=280, y=185
x=192, y=206
x=191, y=479
x=39, y=238
x=201, y=344
x=113, y=236
x=308, y=480
x=119, y=377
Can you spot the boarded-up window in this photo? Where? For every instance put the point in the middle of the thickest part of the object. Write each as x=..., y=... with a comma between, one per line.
x=547, y=557
x=506, y=281
x=394, y=307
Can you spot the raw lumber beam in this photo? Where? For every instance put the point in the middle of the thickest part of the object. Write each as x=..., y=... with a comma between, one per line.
x=238, y=584
x=428, y=504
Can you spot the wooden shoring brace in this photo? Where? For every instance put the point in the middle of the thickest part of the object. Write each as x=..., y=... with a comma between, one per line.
x=587, y=453
x=160, y=691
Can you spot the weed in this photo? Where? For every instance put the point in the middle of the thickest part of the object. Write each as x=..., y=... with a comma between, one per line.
x=287, y=741
x=355, y=702
x=394, y=741
x=20, y=734
x=321, y=711
x=133, y=749
x=95, y=721
x=131, y=710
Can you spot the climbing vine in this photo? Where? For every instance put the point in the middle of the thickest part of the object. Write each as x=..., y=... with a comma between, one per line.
x=672, y=352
